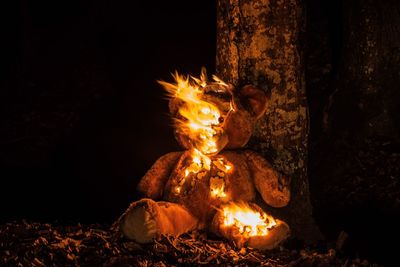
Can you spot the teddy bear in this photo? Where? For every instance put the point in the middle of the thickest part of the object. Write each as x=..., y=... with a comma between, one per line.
x=212, y=185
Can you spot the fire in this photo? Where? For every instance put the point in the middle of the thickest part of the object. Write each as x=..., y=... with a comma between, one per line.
x=199, y=162
x=222, y=165
x=201, y=119
x=202, y=122
x=248, y=221
x=217, y=183
x=217, y=187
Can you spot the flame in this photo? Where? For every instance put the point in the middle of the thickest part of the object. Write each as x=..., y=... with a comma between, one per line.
x=200, y=118
x=201, y=123
x=217, y=183
x=222, y=165
x=217, y=187
x=248, y=221
x=199, y=162
x=218, y=192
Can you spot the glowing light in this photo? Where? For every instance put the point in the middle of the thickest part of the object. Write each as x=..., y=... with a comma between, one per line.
x=248, y=221
x=217, y=187
x=200, y=121
x=200, y=117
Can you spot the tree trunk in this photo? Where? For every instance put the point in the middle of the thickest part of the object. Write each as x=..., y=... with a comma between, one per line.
x=258, y=42
x=366, y=104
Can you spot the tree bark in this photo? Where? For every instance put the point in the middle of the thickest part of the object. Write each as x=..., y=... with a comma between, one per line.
x=366, y=104
x=258, y=42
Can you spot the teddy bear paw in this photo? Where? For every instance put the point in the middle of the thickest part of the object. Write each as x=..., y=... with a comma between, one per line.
x=140, y=225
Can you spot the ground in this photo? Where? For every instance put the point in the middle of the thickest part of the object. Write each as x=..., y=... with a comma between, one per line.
x=43, y=244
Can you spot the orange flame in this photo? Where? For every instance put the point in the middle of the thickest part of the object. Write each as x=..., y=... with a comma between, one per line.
x=217, y=187
x=201, y=123
x=217, y=184
x=201, y=117
x=248, y=221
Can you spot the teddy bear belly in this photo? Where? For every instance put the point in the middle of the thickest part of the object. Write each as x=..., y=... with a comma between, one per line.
x=203, y=192
x=198, y=201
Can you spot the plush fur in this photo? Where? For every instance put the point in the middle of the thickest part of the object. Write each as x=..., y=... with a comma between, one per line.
x=163, y=211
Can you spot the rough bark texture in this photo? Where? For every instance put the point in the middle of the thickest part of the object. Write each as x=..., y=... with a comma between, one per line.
x=258, y=43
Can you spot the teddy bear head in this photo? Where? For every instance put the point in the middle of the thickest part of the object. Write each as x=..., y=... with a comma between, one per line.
x=213, y=116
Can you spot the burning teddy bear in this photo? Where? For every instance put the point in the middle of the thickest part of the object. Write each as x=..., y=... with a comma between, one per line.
x=213, y=184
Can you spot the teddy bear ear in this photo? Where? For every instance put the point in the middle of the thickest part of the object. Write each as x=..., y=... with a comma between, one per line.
x=253, y=99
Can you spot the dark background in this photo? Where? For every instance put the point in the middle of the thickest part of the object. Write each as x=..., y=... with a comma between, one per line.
x=82, y=117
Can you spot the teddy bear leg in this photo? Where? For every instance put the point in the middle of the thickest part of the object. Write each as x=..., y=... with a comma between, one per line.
x=275, y=236
x=147, y=219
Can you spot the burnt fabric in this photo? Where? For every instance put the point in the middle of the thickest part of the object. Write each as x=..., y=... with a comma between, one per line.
x=174, y=204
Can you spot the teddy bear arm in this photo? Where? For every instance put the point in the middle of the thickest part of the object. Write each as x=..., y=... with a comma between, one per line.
x=153, y=182
x=273, y=187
